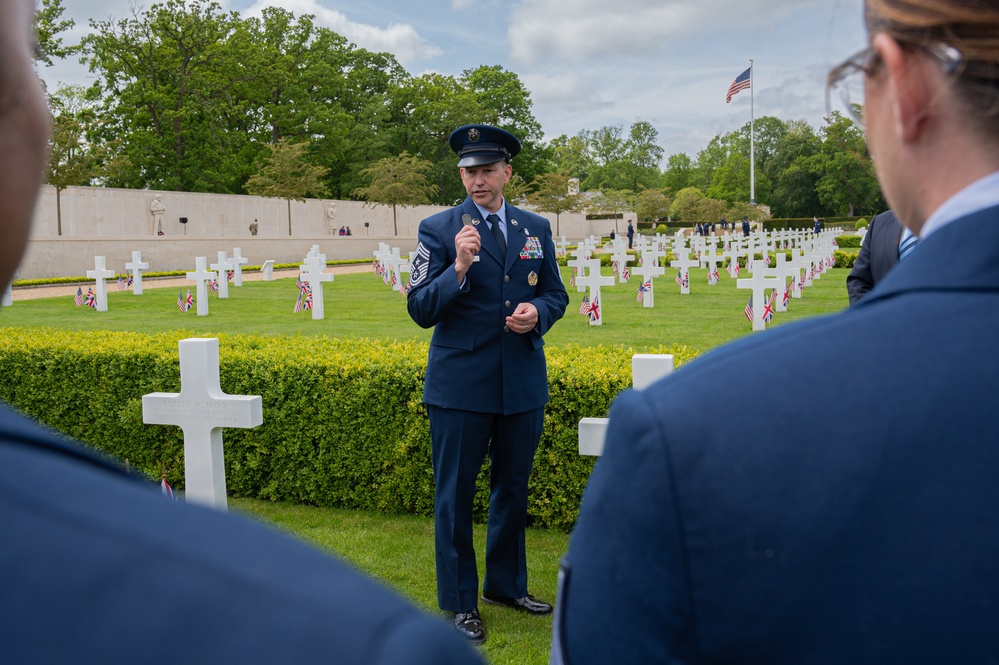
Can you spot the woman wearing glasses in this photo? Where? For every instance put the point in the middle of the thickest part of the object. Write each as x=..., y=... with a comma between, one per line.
x=860, y=523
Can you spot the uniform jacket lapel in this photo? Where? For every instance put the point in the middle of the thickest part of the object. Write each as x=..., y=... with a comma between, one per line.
x=963, y=255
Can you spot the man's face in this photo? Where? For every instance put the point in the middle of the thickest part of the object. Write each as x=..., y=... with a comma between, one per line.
x=484, y=184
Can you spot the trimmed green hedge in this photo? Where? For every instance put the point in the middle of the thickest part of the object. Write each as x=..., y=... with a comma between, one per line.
x=343, y=421
x=848, y=241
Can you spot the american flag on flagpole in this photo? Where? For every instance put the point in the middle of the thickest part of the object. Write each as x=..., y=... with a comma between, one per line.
x=646, y=287
x=741, y=82
x=749, y=309
x=79, y=297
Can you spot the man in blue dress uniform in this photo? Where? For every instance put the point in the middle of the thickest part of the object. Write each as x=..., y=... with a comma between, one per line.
x=484, y=275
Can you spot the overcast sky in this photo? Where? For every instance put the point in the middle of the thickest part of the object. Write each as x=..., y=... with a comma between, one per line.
x=591, y=63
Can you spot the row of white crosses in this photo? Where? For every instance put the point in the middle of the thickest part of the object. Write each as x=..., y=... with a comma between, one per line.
x=100, y=274
x=392, y=266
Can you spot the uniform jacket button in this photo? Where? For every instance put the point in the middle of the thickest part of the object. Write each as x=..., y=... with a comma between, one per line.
x=506, y=304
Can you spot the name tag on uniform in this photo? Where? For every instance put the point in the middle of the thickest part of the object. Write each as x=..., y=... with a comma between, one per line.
x=532, y=249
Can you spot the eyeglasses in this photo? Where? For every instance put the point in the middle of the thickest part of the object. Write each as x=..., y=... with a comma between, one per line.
x=847, y=79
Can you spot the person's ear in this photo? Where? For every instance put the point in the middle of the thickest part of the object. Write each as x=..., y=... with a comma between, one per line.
x=908, y=86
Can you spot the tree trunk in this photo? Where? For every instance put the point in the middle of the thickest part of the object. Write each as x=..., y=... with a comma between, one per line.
x=395, y=227
x=289, y=216
x=58, y=211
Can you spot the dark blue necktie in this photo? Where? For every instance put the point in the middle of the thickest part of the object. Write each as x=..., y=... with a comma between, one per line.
x=907, y=244
x=494, y=224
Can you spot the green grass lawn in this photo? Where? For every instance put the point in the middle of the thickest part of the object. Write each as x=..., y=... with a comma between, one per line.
x=359, y=305
x=398, y=549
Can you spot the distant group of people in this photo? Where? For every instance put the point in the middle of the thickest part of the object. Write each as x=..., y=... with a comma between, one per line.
x=822, y=535
x=344, y=231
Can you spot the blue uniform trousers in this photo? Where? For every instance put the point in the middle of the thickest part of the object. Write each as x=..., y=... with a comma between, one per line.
x=460, y=441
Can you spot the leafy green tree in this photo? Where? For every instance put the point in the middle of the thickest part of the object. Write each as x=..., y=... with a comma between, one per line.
x=551, y=194
x=652, y=204
x=571, y=156
x=847, y=183
x=684, y=203
x=164, y=75
x=398, y=181
x=793, y=191
x=48, y=24
x=679, y=173
x=72, y=161
x=286, y=174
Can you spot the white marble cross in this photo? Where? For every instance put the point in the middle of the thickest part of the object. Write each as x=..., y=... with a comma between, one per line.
x=393, y=265
x=684, y=263
x=136, y=266
x=222, y=268
x=100, y=273
x=312, y=274
x=201, y=276
x=733, y=254
x=8, y=296
x=237, y=261
x=561, y=246
x=648, y=271
x=202, y=410
x=268, y=270
x=759, y=283
x=577, y=263
x=646, y=369
x=783, y=269
x=593, y=281
x=622, y=258
x=711, y=260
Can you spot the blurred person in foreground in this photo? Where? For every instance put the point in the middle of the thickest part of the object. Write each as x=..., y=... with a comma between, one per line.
x=824, y=534
x=99, y=567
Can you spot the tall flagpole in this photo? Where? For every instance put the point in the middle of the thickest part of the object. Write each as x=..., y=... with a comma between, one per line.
x=752, y=140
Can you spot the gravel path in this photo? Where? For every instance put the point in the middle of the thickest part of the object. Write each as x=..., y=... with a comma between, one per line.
x=32, y=292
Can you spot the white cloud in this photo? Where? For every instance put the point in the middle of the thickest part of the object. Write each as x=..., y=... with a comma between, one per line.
x=400, y=39
x=546, y=30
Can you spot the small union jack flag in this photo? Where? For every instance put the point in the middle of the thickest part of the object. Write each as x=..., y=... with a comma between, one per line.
x=594, y=309
x=166, y=489
x=129, y=281
x=787, y=293
x=91, y=299
x=768, y=309
x=682, y=279
x=625, y=274
x=213, y=285
x=308, y=300
x=646, y=287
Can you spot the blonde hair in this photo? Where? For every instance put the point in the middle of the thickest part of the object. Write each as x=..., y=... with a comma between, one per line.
x=970, y=26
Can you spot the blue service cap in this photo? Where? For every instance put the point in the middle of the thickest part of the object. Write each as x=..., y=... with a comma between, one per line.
x=478, y=145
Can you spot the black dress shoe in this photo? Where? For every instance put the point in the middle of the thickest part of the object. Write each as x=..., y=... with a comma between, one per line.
x=528, y=603
x=469, y=624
